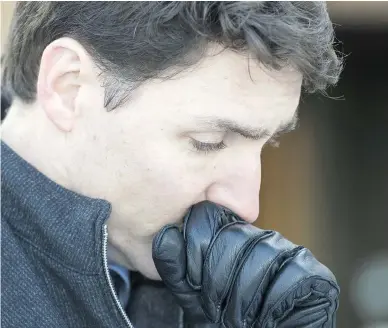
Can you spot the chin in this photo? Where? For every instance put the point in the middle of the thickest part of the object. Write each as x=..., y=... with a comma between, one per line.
x=140, y=258
x=151, y=273
x=145, y=264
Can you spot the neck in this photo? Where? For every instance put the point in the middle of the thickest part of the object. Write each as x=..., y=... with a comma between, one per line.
x=32, y=138
x=118, y=257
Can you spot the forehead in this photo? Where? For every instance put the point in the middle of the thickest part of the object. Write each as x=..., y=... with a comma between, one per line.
x=233, y=87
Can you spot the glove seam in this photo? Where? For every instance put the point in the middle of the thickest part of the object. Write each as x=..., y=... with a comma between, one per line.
x=242, y=250
x=296, y=250
x=247, y=251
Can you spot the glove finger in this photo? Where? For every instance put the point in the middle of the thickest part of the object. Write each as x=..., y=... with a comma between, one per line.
x=309, y=317
x=304, y=293
x=169, y=255
x=223, y=262
x=200, y=226
x=264, y=256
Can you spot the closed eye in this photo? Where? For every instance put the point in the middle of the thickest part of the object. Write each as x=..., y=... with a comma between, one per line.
x=206, y=147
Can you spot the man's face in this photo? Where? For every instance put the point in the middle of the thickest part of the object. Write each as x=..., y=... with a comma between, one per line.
x=195, y=137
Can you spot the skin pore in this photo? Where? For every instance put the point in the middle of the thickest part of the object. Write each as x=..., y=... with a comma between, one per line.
x=197, y=136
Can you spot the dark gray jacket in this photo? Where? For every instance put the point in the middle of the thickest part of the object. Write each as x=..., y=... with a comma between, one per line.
x=54, y=260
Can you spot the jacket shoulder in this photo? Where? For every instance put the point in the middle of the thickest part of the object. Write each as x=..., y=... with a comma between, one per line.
x=25, y=298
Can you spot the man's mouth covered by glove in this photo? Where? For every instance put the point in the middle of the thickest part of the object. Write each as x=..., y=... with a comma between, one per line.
x=227, y=272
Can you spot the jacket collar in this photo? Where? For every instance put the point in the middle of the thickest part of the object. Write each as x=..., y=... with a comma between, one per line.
x=64, y=225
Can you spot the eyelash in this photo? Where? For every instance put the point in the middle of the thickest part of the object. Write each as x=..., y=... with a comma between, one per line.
x=207, y=147
x=214, y=147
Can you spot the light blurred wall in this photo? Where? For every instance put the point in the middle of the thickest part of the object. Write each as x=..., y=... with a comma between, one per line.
x=6, y=15
x=353, y=13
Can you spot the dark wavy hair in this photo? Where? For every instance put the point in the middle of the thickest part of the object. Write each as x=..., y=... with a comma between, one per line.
x=132, y=42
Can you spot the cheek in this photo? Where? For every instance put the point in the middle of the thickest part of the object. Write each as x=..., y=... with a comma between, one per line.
x=167, y=162
x=172, y=182
x=174, y=177
x=150, y=166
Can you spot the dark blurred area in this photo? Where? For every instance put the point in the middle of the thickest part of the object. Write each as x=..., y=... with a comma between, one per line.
x=331, y=192
x=326, y=187
x=352, y=145
x=6, y=101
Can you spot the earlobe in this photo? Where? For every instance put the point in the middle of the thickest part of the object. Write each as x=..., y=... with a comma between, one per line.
x=59, y=115
x=59, y=82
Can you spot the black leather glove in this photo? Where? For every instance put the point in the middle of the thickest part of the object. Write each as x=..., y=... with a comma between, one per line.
x=225, y=271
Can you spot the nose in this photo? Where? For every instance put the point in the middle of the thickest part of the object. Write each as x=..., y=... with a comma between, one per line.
x=239, y=192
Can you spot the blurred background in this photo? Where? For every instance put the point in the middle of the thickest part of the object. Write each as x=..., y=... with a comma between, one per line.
x=326, y=186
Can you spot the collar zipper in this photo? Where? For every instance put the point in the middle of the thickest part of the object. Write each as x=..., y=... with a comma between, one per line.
x=109, y=278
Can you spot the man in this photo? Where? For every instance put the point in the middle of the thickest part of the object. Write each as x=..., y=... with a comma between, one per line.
x=124, y=116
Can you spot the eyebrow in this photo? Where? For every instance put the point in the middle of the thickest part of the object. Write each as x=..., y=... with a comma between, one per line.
x=247, y=131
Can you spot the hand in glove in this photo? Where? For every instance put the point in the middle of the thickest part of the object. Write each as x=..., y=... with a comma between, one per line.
x=223, y=270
